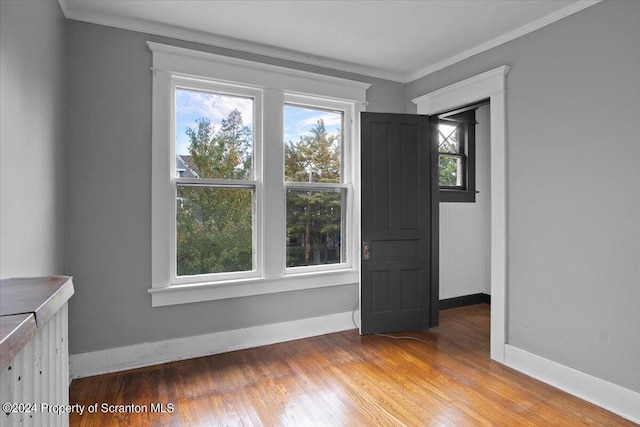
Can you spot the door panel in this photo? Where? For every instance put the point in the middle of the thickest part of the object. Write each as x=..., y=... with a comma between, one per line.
x=380, y=191
x=398, y=215
x=410, y=179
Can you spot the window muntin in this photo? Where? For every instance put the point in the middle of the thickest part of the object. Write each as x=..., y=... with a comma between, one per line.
x=215, y=181
x=317, y=182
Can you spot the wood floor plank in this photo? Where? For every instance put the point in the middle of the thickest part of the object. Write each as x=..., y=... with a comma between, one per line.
x=344, y=379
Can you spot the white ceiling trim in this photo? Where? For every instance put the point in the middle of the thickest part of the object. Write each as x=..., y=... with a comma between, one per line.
x=518, y=32
x=185, y=34
x=181, y=33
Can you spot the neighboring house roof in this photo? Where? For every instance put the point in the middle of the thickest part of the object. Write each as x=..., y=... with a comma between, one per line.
x=185, y=168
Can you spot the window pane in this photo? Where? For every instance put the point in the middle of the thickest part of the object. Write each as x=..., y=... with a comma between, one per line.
x=313, y=144
x=214, y=230
x=449, y=138
x=450, y=171
x=314, y=226
x=214, y=135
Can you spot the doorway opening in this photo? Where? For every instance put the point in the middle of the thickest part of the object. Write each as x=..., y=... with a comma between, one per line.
x=465, y=206
x=491, y=85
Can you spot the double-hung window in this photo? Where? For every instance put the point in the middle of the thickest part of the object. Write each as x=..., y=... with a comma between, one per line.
x=216, y=180
x=254, y=178
x=318, y=182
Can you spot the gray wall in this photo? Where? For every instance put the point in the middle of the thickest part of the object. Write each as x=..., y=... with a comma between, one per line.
x=32, y=69
x=573, y=201
x=109, y=216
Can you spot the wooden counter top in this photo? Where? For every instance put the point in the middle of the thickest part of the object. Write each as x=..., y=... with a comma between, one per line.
x=42, y=296
x=26, y=304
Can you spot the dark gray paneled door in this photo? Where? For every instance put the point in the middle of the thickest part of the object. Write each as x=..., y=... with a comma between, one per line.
x=399, y=269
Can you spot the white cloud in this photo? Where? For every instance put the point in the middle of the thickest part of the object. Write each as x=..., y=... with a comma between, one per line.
x=214, y=107
x=300, y=126
x=329, y=119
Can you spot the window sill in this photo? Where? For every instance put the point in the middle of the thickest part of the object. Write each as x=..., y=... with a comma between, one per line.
x=457, y=196
x=184, y=294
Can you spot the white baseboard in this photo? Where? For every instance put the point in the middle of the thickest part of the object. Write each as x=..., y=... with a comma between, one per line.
x=609, y=396
x=153, y=353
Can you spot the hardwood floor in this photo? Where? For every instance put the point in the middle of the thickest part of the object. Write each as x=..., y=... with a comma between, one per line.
x=342, y=379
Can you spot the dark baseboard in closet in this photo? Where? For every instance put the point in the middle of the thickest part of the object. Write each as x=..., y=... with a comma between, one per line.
x=464, y=301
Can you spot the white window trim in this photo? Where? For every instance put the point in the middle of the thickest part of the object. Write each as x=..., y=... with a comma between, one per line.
x=275, y=83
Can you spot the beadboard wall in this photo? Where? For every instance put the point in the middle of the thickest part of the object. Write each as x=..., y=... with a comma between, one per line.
x=38, y=378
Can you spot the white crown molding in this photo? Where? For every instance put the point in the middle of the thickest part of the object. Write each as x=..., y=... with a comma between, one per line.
x=304, y=58
x=609, y=396
x=154, y=353
x=226, y=42
x=519, y=32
